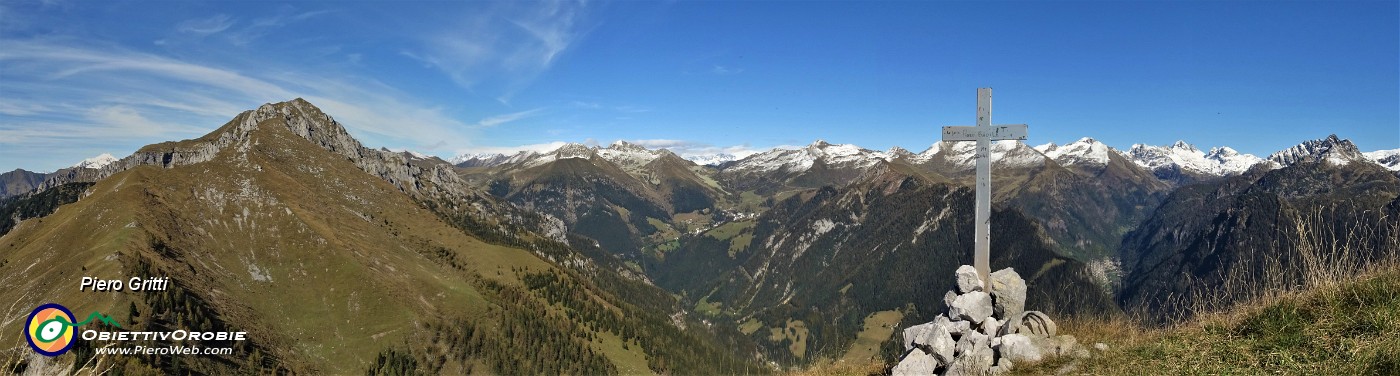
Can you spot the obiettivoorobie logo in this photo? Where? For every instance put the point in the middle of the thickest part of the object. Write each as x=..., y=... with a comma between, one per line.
x=51, y=327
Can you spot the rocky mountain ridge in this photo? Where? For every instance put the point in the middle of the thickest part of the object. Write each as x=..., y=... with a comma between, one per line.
x=281, y=225
x=20, y=181
x=424, y=179
x=1168, y=162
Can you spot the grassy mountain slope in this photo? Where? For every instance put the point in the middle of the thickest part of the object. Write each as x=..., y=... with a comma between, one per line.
x=37, y=204
x=594, y=197
x=820, y=262
x=1087, y=210
x=330, y=270
x=1347, y=327
x=1216, y=243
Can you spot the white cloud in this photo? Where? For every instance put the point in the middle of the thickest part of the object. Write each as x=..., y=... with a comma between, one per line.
x=60, y=92
x=506, y=118
x=505, y=47
x=206, y=26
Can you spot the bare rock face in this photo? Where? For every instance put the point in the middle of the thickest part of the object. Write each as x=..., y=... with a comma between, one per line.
x=1008, y=292
x=917, y=362
x=1019, y=349
x=968, y=280
x=973, y=307
x=1030, y=324
x=989, y=326
x=932, y=339
x=956, y=328
x=969, y=340
x=978, y=360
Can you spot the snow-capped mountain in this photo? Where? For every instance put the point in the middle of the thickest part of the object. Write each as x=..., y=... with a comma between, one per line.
x=1390, y=159
x=99, y=161
x=631, y=157
x=712, y=159
x=798, y=160
x=1085, y=151
x=1331, y=149
x=1176, y=162
x=1231, y=162
x=478, y=159
x=962, y=156
x=899, y=152
x=1182, y=157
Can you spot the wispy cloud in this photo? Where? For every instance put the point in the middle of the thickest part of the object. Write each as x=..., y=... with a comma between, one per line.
x=61, y=92
x=206, y=26
x=506, y=118
x=505, y=47
x=229, y=29
x=725, y=71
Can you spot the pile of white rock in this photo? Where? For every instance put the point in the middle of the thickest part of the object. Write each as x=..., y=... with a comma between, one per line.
x=983, y=332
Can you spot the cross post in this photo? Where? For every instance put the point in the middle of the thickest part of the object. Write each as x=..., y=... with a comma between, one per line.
x=984, y=133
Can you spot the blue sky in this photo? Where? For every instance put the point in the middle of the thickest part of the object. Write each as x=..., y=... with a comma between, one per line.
x=82, y=78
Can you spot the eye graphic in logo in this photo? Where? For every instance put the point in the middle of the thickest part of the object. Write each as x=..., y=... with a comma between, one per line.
x=50, y=329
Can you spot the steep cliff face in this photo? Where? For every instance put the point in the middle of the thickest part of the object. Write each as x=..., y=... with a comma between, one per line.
x=19, y=182
x=1209, y=245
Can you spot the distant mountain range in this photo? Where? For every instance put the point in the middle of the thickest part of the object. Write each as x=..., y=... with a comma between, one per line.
x=797, y=225
x=640, y=260
x=1168, y=161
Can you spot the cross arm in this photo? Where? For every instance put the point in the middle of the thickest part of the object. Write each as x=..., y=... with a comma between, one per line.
x=994, y=133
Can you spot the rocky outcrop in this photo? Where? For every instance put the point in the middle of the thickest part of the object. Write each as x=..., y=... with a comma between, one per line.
x=1009, y=293
x=18, y=182
x=989, y=331
x=968, y=280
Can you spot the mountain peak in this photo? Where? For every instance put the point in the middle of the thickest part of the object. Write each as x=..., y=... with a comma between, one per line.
x=1171, y=161
x=1221, y=152
x=1086, y=151
x=1331, y=149
x=573, y=150
x=97, y=162
x=1390, y=159
x=819, y=143
x=621, y=145
x=1182, y=145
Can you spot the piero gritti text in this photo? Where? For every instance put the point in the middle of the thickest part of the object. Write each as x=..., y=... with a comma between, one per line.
x=132, y=284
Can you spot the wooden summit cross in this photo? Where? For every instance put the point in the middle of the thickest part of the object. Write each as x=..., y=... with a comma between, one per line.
x=984, y=133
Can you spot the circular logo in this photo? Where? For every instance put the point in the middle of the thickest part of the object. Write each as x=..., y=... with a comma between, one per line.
x=50, y=329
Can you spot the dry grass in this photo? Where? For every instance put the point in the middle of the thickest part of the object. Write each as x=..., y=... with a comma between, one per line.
x=1344, y=329
x=1311, y=252
x=842, y=368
